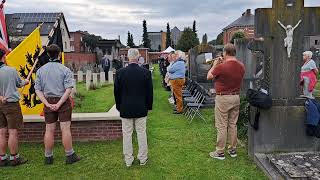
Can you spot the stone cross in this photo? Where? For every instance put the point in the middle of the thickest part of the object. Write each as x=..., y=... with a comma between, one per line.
x=282, y=64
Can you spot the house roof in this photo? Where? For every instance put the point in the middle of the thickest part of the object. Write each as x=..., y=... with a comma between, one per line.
x=247, y=19
x=22, y=24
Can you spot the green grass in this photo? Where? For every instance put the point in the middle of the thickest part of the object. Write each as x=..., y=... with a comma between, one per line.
x=98, y=100
x=177, y=150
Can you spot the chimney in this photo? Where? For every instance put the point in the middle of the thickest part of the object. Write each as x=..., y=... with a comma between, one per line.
x=248, y=12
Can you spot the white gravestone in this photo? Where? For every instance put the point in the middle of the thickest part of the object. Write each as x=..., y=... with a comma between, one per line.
x=80, y=76
x=102, y=78
x=88, y=80
x=110, y=76
x=95, y=79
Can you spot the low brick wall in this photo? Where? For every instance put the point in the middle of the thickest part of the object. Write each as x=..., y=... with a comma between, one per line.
x=81, y=131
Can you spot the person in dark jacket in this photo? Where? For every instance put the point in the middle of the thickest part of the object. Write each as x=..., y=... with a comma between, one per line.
x=133, y=92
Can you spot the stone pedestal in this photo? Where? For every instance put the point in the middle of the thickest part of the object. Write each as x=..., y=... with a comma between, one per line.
x=102, y=78
x=110, y=76
x=281, y=129
x=80, y=76
x=88, y=79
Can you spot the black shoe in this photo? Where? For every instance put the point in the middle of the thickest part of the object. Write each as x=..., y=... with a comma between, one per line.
x=18, y=161
x=176, y=112
x=232, y=153
x=48, y=160
x=4, y=163
x=72, y=159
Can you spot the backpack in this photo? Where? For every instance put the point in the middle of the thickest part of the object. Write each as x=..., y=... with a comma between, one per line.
x=260, y=100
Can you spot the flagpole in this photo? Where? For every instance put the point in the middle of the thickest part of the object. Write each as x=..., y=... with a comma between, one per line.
x=42, y=50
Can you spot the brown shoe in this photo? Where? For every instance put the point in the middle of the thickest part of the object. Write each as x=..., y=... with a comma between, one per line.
x=18, y=161
x=73, y=159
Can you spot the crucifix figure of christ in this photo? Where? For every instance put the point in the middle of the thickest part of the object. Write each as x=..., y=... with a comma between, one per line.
x=289, y=39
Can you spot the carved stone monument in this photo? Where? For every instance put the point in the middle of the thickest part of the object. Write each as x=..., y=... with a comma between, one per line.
x=282, y=129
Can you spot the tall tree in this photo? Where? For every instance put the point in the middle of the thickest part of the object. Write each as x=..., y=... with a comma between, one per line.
x=169, y=41
x=132, y=41
x=188, y=40
x=194, y=27
x=145, y=39
x=91, y=41
x=219, y=40
x=129, y=39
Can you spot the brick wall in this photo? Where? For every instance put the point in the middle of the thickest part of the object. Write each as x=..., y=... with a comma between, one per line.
x=81, y=131
x=80, y=58
x=227, y=34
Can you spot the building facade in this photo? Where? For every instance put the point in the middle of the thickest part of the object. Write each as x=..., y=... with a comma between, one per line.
x=21, y=25
x=77, y=44
x=157, y=40
x=175, y=36
x=243, y=24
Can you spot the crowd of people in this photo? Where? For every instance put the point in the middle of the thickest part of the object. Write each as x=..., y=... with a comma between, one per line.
x=133, y=92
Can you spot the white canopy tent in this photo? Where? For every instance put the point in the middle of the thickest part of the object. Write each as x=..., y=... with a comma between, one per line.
x=168, y=50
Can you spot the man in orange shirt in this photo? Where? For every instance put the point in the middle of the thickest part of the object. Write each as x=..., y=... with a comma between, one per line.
x=228, y=75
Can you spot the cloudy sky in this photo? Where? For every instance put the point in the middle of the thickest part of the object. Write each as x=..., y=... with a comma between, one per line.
x=110, y=18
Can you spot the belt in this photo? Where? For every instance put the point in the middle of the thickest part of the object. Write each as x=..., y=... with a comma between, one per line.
x=227, y=93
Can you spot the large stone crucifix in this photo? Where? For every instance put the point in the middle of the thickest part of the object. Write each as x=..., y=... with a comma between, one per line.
x=289, y=39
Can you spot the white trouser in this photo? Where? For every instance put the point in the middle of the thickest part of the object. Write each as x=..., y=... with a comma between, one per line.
x=127, y=130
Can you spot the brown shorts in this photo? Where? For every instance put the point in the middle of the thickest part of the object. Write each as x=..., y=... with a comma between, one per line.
x=11, y=116
x=63, y=114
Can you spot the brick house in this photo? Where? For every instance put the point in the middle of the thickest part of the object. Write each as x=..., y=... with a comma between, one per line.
x=244, y=24
x=80, y=54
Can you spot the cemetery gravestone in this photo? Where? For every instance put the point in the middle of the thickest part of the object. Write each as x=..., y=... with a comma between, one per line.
x=110, y=77
x=88, y=79
x=95, y=79
x=102, y=78
x=80, y=76
x=282, y=127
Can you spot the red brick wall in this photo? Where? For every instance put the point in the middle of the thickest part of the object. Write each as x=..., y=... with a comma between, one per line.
x=143, y=52
x=81, y=131
x=227, y=34
x=80, y=58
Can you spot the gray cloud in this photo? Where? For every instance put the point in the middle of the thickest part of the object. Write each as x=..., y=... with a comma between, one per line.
x=110, y=18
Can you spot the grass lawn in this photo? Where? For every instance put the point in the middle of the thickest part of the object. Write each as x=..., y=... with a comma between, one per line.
x=177, y=150
x=99, y=100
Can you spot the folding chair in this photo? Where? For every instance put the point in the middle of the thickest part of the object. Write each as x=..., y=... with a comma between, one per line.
x=193, y=109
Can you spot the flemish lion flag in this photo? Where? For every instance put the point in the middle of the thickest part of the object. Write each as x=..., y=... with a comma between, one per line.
x=22, y=58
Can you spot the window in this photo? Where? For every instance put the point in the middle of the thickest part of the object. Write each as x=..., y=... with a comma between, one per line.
x=72, y=48
x=316, y=42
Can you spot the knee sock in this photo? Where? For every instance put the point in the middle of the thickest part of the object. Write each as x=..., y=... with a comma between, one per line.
x=48, y=153
x=70, y=152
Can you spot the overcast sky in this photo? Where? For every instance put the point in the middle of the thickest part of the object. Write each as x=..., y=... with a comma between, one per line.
x=110, y=18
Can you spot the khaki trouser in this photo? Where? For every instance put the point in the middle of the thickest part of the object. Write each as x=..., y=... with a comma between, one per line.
x=127, y=130
x=177, y=86
x=226, y=117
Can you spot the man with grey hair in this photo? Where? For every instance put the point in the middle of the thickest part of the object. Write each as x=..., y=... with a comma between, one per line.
x=133, y=92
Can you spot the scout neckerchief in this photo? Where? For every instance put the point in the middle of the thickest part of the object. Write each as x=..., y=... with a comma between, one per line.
x=55, y=60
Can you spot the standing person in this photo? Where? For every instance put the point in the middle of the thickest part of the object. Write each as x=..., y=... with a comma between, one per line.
x=228, y=75
x=11, y=118
x=133, y=92
x=53, y=86
x=308, y=75
x=106, y=66
x=177, y=71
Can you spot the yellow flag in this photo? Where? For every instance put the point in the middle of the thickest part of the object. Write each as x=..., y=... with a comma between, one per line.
x=22, y=58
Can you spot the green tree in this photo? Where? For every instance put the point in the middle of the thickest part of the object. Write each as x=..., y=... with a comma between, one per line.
x=169, y=41
x=129, y=39
x=132, y=41
x=91, y=41
x=194, y=27
x=145, y=39
x=188, y=40
x=219, y=40
x=159, y=48
x=237, y=35
x=212, y=42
